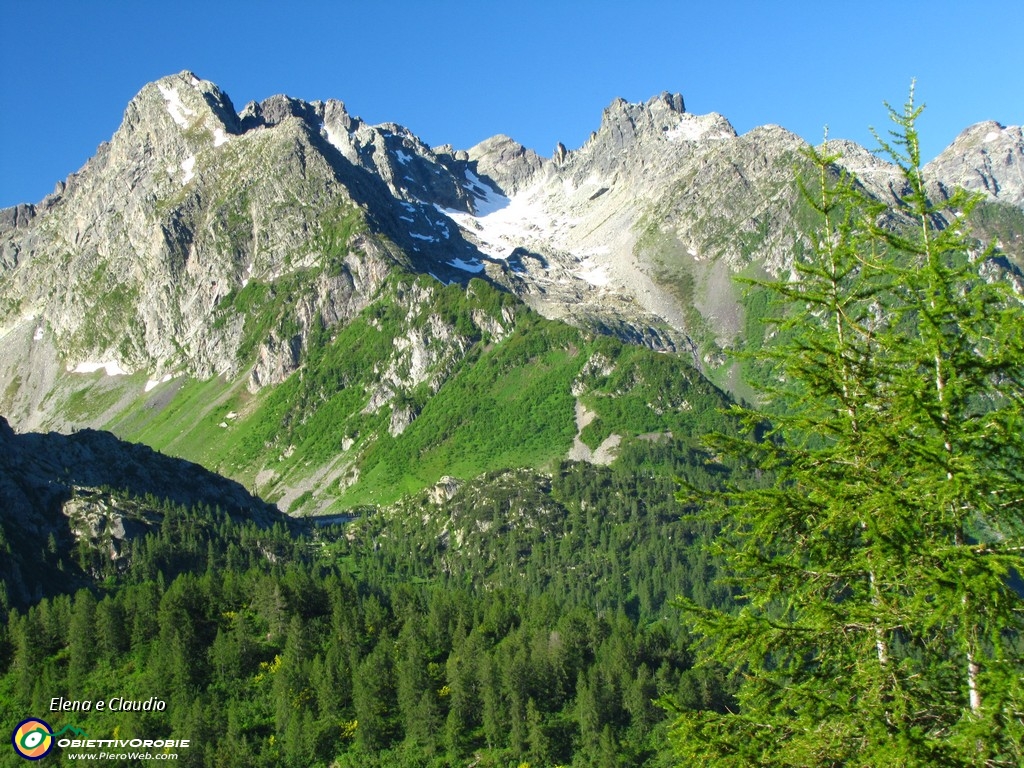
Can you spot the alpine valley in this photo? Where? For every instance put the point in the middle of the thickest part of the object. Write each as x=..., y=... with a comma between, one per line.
x=369, y=447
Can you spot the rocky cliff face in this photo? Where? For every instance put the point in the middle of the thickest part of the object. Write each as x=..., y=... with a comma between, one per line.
x=986, y=158
x=129, y=259
x=41, y=473
x=203, y=241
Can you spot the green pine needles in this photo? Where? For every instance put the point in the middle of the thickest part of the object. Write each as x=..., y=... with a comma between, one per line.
x=879, y=564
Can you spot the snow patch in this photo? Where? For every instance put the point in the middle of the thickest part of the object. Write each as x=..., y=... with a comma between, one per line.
x=467, y=266
x=596, y=276
x=520, y=222
x=38, y=334
x=154, y=383
x=487, y=200
x=219, y=137
x=403, y=157
x=188, y=166
x=693, y=128
x=991, y=136
x=427, y=238
x=179, y=112
x=407, y=218
x=332, y=137
x=111, y=368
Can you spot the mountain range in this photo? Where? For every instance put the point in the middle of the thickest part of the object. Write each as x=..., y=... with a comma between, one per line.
x=335, y=314
x=360, y=452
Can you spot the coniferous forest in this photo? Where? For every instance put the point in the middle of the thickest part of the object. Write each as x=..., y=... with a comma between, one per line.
x=546, y=638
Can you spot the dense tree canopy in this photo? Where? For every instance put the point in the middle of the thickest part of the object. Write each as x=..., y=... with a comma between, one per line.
x=881, y=615
x=527, y=623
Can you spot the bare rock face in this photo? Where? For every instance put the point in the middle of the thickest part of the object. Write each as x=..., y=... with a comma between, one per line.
x=507, y=162
x=444, y=490
x=40, y=472
x=986, y=158
x=132, y=258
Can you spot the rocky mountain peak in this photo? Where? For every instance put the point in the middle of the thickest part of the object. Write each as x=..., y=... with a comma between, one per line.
x=659, y=113
x=673, y=100
x=988, y=158
x=187, y=102
x=275, y=110
x=507, y=162
x=627, y=127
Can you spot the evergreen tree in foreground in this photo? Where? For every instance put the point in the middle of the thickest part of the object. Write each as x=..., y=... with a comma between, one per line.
x=879, y=624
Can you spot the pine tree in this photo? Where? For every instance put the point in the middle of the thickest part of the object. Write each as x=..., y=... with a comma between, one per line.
x=875, y=565
x=81, y=639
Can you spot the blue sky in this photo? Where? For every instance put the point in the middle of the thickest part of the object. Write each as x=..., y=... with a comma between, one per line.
x=457, y=72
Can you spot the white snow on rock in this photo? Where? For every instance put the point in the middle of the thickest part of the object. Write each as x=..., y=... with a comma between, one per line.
x=332, y=138
x=178, y=111
x=111, y=368
x=695, y=128
x=219, y=137
x=487, y=200
x=521, y=220
x=188, y=166
x=38, y=336
x=991, y=136
x=427, y=238
x=403, y=157
x=466, y=266
x=153, y=384
x=595, y=276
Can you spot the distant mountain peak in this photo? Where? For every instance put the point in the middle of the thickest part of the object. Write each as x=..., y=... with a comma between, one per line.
x=987, y=157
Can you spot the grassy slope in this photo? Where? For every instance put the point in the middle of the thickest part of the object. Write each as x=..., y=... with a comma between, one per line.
x=499, y=403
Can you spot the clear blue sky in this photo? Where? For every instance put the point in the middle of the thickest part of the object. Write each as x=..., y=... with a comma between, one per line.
x=457, y=72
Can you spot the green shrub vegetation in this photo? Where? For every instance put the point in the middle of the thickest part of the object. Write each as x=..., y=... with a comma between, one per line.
x=487, y=402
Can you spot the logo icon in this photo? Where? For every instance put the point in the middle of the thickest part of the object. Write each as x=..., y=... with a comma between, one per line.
x=32, y=738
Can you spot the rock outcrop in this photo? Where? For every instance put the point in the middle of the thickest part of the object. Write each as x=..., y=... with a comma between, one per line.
x=986, y=158
x=91, y=490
